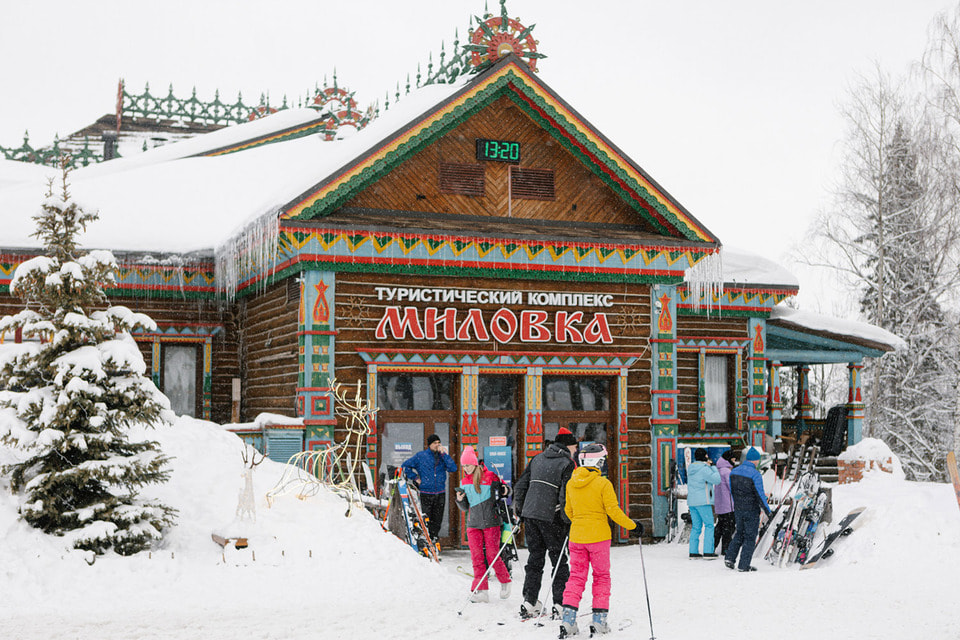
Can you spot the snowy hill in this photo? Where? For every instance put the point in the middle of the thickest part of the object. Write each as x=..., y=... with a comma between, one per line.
x=318, y=574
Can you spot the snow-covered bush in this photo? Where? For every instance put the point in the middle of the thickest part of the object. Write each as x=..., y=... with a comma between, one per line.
x=72, y=390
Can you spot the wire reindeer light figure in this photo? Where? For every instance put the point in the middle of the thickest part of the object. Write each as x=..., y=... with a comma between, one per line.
x=335, y=467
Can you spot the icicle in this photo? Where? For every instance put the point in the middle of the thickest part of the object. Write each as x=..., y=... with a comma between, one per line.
x=249, y=254
x=705, y=281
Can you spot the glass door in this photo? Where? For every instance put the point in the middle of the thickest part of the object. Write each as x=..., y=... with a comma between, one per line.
x=412, y=407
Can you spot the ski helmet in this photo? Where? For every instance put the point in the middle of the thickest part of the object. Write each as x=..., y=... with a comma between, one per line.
x=593, y=455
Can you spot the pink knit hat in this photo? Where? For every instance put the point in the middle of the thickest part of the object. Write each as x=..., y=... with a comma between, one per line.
x=469, y=456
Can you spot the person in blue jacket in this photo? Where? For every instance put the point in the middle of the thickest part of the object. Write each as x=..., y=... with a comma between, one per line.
x=746, y=486
x=430, y=468
x=702, y=476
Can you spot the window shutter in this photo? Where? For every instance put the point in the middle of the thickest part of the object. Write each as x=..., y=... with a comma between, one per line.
x=462, y=179
x=532, y=184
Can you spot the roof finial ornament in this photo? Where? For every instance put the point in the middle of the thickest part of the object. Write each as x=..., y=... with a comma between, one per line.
x=497, y=37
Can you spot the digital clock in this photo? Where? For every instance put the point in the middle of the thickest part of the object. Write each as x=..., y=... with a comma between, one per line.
x=498, y=150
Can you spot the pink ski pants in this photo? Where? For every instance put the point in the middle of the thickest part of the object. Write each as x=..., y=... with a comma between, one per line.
x=486, y=539
x=582, y=558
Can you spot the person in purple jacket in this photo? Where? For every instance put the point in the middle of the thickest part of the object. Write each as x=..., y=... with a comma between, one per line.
x=723, y=503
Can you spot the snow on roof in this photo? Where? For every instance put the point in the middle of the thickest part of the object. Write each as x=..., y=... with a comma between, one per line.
x=13, y=173
x=837, y=326
x=166, y=201
x=741, y=267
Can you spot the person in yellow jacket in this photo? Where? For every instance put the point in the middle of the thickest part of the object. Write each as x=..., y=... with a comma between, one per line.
x=590, y=502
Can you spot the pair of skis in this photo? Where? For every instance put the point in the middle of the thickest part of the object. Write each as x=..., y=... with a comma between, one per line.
x=417, y=535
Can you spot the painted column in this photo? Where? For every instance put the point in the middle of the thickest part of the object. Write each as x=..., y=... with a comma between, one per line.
x=207, y=378
x=373, y=437
x=469, y=402
x=663, y=397
x=533, y=412
x=155, y=361
x=855, y=408
x=757, y=398
x=775, y=403
x=469, y=434
x=805, y=408
x=623, y=448
x=316, y=337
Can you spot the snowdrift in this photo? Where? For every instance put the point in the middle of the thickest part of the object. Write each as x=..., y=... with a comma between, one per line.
x=310, y=572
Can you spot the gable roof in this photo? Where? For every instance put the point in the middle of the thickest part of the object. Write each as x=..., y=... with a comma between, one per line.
x=510, y=77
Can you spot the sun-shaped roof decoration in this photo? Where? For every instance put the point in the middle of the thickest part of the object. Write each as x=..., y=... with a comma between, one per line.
x=498, y=36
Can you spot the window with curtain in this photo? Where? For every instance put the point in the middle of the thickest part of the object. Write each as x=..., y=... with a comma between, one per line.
x=715, y=386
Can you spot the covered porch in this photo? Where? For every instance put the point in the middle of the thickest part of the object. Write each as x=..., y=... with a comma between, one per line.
x=800, y=339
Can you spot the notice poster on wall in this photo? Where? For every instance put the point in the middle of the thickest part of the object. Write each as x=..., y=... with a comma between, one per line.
x=499, y=460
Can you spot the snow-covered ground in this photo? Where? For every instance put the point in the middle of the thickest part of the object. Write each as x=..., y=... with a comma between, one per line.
x=319, y=574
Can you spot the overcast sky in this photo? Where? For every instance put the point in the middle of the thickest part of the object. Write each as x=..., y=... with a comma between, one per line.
x=731, y=106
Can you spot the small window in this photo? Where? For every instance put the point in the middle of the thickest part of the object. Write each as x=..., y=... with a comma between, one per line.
x=532, y=184
x=462, y=179
x=715, y=388
x=180, y=378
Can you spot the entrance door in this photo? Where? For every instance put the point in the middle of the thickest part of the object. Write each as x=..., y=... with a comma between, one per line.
x=411, y=408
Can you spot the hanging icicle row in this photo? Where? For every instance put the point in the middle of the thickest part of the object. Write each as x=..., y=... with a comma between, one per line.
x=705, y=282
x=248, y=255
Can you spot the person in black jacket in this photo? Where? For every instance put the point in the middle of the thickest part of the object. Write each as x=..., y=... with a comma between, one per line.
x=539, y=500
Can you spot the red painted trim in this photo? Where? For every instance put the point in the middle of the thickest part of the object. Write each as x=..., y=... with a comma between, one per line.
x=653, y=391
x=317, y=333
x=564, y=354
x=313, y=389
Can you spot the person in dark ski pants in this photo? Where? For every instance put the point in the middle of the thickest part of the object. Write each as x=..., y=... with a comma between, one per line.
x=746, y=486
x=430, y=468
x=723, y=504
x=702, y=476
x=538, y=498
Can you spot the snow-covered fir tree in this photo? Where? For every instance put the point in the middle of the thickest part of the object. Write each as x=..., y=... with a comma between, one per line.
x=892, y=240
x=70, y=393
x=915, y=387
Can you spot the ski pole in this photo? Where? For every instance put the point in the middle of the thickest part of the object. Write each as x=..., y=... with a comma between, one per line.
x=553, y=576
x=482, y=578
x=646, y=591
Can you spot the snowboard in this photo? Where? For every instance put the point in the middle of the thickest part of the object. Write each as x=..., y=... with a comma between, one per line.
x=843, y=529
x=954, y=474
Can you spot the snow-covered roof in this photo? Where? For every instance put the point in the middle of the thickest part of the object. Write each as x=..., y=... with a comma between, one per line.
x=215, y=197
x=836, y=327
x=742, y=268
x=13, y=173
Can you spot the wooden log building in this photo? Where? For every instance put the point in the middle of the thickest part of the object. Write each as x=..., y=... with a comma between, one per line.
x=491, y=268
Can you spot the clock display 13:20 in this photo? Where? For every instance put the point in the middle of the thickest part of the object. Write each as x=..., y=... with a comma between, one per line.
x=498, y=150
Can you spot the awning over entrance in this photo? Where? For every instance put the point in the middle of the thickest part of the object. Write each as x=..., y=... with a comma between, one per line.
x=797, y=337
x=801, y=338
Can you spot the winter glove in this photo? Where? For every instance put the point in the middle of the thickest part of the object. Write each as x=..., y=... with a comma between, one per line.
x=638, y=530
x=505, y=491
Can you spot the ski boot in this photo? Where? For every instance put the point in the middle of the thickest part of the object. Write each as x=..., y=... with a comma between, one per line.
x=568, y=626
x=530, y=610
x=480, y=596
x=599, y=624
x=556, y=613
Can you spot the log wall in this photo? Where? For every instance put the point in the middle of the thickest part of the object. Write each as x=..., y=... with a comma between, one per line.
x=268, y=350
